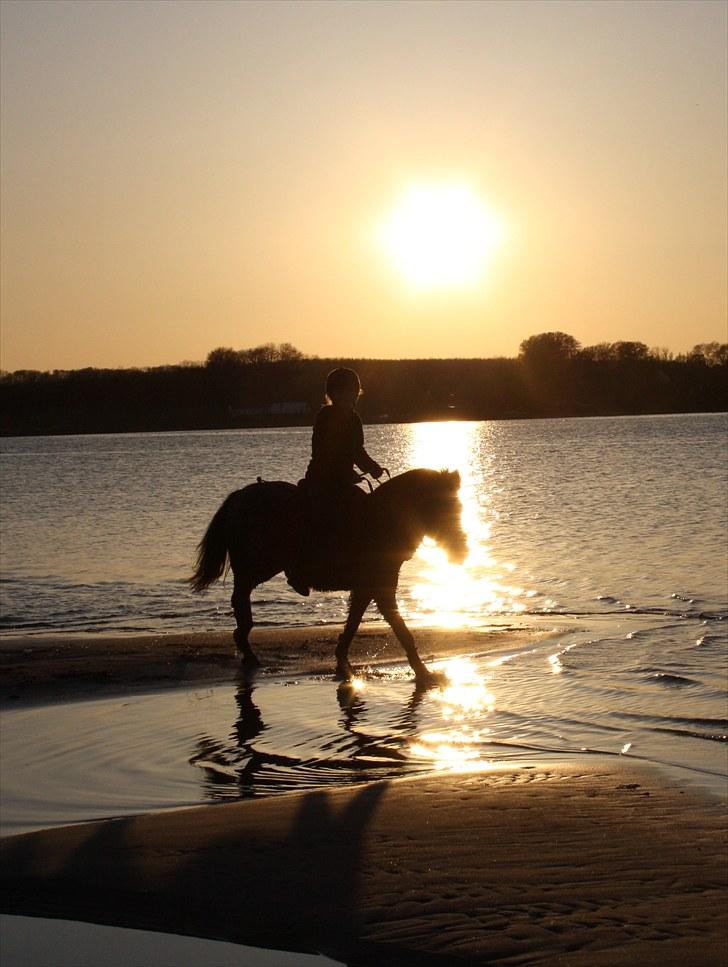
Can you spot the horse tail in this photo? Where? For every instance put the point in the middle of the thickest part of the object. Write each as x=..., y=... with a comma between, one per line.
x=212, y=551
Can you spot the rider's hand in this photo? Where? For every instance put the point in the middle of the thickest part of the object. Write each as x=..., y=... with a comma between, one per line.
x=379, y=471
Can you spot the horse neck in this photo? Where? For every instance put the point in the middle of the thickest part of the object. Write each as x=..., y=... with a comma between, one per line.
x=396, y=502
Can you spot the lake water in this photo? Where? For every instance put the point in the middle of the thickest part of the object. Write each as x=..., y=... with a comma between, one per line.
x=609, y=533
x=564, y=516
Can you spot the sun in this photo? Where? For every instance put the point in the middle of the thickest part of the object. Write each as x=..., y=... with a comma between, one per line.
x=440, y=236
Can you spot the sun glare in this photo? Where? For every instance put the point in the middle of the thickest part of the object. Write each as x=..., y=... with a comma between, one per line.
x=440, y=236
x=449, y=595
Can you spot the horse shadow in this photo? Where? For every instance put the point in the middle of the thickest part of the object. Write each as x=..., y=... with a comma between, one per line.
x=249, y=884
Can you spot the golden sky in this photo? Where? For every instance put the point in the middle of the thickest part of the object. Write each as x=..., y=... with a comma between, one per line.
x=181, y=176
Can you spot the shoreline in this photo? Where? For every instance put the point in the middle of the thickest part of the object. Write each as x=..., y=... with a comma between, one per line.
x=47, y=670
x=576, y=411
x=544, y=864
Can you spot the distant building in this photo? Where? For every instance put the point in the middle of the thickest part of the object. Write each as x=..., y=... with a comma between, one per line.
x=290, y=408
x=295, y=408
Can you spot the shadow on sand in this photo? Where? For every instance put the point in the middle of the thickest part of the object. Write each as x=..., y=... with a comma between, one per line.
x=287, y=881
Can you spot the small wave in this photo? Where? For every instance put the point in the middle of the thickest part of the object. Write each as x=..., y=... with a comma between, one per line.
x=669, y=680
x=700, y=723
x=691, y=734
x=682, y=614
x=622, y=610
x=687, y=598
x=14, y=623
x=708, y=641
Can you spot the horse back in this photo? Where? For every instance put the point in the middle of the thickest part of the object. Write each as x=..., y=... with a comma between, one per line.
x=263, y=503
x=263, y=521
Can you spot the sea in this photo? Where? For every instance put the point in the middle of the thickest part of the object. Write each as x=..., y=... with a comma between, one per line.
x=602, y=541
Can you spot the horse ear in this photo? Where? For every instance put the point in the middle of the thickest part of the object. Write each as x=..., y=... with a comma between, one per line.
x=455, y=479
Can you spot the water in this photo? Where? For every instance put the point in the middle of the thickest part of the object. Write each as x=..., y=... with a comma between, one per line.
x=573, y=516
x=609, y=534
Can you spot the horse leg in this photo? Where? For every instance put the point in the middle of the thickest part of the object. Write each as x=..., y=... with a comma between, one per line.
x=244, y=622
x=358, y=603
x=387, y=604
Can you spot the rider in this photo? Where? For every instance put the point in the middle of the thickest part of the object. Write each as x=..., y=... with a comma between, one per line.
x=337, y=447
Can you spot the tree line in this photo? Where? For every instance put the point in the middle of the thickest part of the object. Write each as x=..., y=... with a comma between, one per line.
x=276, y=384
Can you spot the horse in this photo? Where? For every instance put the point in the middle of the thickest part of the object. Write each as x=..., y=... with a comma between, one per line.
x=259, y=529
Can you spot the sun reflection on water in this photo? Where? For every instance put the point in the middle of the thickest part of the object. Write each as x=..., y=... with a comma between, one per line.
x=464, y=701
x=465, y=694
x=457, y=596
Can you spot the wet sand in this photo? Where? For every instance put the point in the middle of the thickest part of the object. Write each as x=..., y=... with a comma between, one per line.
x=541, y=865
x=544, y=864
x=50, y=669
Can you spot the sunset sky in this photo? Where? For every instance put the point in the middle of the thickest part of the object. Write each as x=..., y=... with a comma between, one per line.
x=377, y=179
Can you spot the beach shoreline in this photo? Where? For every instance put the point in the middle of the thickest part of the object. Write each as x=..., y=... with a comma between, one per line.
x=37, y=670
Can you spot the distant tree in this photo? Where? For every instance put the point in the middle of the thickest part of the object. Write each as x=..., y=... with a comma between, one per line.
x=547, y=348
x=259, y=354
x=224, y=368
x=271, y=352
x=661, y=353
x=627, y=352
x=223, y=358
x=287, y=352
x=26, y=375
x=622, y=352
x=710, y=353
x=601, y=352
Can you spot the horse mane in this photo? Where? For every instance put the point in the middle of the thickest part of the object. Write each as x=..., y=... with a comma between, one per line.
x=421, y=479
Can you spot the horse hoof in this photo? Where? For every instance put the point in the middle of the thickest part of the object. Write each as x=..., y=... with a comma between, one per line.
x=344, y=673
x=428, y=679
x=248, y=660
x=346, y=694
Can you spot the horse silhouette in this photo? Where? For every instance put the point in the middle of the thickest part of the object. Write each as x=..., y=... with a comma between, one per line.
x=259, y=530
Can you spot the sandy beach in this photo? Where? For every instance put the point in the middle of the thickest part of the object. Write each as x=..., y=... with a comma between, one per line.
x=552, y=864
x=544, y=865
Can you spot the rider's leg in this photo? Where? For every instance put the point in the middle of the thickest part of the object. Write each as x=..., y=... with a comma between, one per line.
x=358, y=603
x=295, y=575
x=296, y=570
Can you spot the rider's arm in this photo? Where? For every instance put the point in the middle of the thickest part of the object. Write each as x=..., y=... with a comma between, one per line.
x=362, y=459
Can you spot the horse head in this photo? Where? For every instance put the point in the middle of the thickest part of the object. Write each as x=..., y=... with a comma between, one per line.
x=442, y=513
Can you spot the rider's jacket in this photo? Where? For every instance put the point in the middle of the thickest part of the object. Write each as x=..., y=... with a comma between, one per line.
x=337, y=447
